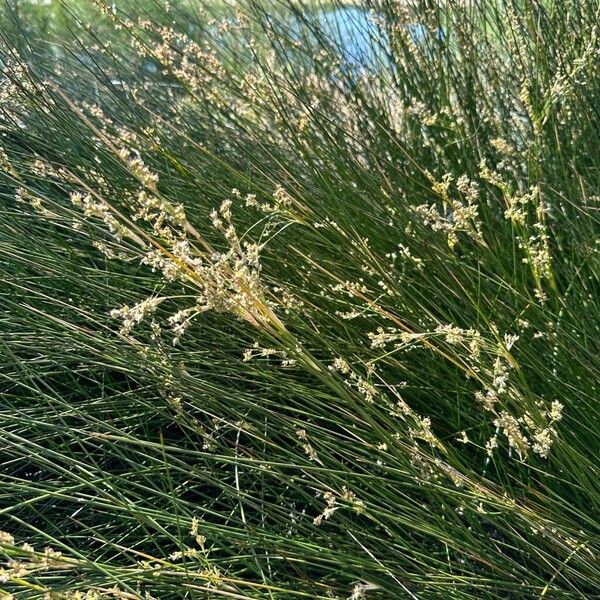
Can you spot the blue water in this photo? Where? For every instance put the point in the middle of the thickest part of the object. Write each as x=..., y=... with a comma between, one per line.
x=352, y=32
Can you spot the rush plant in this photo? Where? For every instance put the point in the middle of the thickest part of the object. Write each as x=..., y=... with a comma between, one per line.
x=300, y=301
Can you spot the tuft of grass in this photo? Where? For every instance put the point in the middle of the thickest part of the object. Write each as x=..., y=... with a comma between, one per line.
x=296, y=306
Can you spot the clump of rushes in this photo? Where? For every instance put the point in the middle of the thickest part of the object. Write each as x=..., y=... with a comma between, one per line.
x=286, y=318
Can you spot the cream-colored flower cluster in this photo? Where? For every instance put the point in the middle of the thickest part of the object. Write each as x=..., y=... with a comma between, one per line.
x=345, y=498
x=364, y=385
x=491, y=364
x=529, y=214
x=457, y=214
x=225, y=281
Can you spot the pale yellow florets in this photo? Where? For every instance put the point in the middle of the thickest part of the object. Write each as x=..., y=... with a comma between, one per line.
x=455, y=216
x=511, y=429
x=423, y=431
x=306, y=446
x=330, y=508
x=131, y=316
x=364, y=386
x=97, y=208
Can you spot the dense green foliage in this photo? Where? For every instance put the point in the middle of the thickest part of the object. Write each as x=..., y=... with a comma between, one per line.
x=278, y=324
